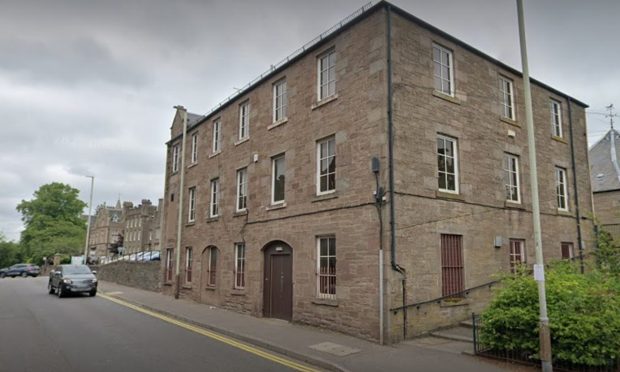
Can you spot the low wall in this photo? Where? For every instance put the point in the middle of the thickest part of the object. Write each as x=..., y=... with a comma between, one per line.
x=143, y=275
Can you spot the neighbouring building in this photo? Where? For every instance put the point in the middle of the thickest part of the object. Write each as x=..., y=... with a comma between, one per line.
x=107, y=227
x=605, y=178
x=279, y=210
x=141, y=225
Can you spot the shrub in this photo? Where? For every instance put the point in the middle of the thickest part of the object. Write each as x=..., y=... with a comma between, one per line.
x=583, y=309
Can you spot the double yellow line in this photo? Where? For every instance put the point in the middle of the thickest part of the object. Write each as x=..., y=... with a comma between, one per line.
x=229, y=341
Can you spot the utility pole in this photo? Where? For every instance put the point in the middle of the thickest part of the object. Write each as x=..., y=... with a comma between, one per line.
x=539, y=267
x=180, y=219
x=611, y=115
x=90, y=209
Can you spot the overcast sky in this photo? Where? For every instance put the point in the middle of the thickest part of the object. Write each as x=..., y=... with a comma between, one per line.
x=87, y=87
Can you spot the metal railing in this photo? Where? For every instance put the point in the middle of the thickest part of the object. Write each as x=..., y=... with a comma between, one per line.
x=144, y=256
x=293, y=55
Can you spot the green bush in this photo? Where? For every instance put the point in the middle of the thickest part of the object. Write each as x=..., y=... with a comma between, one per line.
x=584, y=315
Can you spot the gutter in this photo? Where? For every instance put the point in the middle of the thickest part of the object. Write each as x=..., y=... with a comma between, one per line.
x=573, y=163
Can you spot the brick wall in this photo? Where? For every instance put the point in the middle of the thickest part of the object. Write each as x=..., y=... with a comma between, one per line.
x=143, y=275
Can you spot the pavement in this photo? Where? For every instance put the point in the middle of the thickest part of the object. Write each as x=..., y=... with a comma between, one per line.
x=319, y=347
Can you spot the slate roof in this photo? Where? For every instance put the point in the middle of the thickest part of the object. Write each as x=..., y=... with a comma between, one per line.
x=605, y=163
x=193, y=119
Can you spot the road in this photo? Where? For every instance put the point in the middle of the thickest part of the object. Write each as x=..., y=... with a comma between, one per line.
x=41, y=332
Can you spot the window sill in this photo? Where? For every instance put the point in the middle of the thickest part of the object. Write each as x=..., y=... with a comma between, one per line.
x=240, y=213
x=215, y=154
x=325, y=302
x=277, y=123
x=238, y=292
x=446, y=97
x=210, y=288
x=324, y=101
x=509, y=121
x=564, y=212
x=213, y=219
x=559, y=139
x=192, y=165
x=168, y=284
x=331, y=195
x=513, y=205
x=275, y=206
x=190, y=224
x=186, y=286
x=448, y=195
x=243, y=140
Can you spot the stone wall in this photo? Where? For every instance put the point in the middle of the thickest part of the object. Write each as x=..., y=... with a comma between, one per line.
x=143, y=275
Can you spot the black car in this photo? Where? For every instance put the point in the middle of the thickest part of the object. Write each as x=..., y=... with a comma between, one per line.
x=23, y=270
x=65, y=279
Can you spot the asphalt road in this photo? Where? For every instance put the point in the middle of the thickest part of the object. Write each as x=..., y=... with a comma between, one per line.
x=41, y=332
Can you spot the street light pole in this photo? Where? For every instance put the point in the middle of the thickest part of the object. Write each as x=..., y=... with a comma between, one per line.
x=90, y=208
x=539, y=267
x=180, y=217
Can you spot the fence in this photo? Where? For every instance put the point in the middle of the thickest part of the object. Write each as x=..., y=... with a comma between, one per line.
x=144, y=256
x=528, y=357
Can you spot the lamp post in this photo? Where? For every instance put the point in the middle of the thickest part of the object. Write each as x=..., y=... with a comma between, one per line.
x=90, y=208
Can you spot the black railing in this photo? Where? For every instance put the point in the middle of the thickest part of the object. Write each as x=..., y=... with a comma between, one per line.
x=528, y=357
x=461, y=294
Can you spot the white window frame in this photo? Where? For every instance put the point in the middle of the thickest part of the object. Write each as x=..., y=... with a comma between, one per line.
x=325, y=141
x=191, y=210
x=216, y=142
x=455, y=151
x=168, y=274
x=175, y=158
x=450, y=65
x=244, y=120
x=561, y=188
x=325, y=276
x=212, y=251
x=239, y=267
x=330, y=58
x=274, y=161
x=512, y=254
x=280, y=101
x=214, y=203
x=512, y=173
x=242, y=190
x=556, y=118
x=188, y=264
x=506, y=89
x=194, y=158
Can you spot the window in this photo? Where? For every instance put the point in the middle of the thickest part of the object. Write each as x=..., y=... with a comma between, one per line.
x=442, y=61
x=447, y=161
x=507, y=98
x=244, y=120
x=511, y=178
x=217, y=136
x=169, y=264
x=326, y=75
x=191, y=213
x=280, y=101
x=556, y=118
x=242, y=189
x=326, y=165
x=278, y=169
x=175, y=158
x=194, y=148
x=452, y=277
x=211, y=266
x=560, y=187
x=517, y=253
x=240, y=265
x=567, y=250
x=188, y=265
x=215, y=198
x=326, y=267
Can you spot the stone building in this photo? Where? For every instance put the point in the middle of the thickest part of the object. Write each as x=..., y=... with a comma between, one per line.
x=280, y=216
x=106, y=228
x=141, y=225
x=605, y=177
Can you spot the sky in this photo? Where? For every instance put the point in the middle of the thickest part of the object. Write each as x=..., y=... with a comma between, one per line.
x=87, y=87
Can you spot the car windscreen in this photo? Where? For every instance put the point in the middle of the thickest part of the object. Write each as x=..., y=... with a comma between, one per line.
x=72, y=270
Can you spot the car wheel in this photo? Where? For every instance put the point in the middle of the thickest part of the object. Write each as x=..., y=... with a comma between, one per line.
x=59, y=291
x=2, y=275
x=92, y=293
x=24, y=275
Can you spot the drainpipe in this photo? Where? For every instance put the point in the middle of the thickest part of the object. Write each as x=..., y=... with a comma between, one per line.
x=577, y=212
x=390, y=129
x=177, y=270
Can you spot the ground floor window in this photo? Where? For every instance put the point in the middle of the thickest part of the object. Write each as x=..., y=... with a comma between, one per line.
x=326, y=266
x=239, y=266
x=188, y=265
x=168, y=274
x=211, y=266
x=517, y=253
x=452, y=275
x=567, y=250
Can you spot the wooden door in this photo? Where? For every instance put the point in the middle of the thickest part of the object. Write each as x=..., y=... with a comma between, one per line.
x=278, y=283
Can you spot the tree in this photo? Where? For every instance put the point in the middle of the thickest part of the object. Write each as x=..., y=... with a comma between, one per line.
x=53, y=222
x=607, y=252
x=10, y=252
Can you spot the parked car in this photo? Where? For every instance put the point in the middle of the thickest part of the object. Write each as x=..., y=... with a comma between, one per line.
x=3, y=272
x=23, y=270
x=65, y=279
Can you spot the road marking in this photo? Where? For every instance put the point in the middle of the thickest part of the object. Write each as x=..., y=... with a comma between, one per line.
x=213, y=335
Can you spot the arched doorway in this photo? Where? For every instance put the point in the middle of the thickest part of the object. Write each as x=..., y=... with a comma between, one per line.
x=278, y=281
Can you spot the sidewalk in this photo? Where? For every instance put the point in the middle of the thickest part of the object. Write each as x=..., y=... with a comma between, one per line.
x=322, y=348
